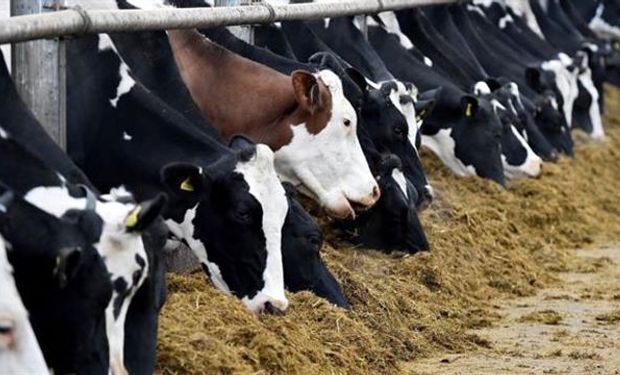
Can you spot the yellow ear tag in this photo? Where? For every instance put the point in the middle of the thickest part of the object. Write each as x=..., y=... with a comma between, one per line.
x=468, y=110
x=132, y=219
x=420, y=115
x=186, y=185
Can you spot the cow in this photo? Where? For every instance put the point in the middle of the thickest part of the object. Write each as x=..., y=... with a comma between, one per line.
x=19, y=350
x=227, y=204
x=143, y=310
x=63, y=283
x=508, y=94
x=518, y=158
x=462, y=130
x=534, y=82
x=149, y=57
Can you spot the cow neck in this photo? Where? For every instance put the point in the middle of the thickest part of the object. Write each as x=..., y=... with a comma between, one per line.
x=352, y=46
x=221, y=83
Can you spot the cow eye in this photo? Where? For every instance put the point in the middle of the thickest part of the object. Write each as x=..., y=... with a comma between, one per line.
x=244, y=215
x=399, y=131
x=347, y=122
x=315, y=241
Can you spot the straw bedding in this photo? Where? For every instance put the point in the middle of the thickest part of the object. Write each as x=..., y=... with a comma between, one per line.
x=486, y=243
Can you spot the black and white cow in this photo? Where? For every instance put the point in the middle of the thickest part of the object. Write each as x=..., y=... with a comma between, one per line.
x=152, y=64
x=518, y=158
x=228, y=206
x=19, y=350
x=63, y=283
x=126, y=253
x=603, y=16
x=462, y=130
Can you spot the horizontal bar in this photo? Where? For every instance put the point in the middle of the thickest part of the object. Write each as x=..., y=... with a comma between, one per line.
x=75, y=21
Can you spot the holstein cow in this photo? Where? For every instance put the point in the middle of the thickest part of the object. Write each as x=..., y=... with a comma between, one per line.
x=19, y=350
x=508, y=93
x=557, y=30
x=119, y=243
x=518, y=159
x=145, y=297
x=63, y=283
x=534, y=82
x=149, y=56
x=462, y=130
x=227, y=205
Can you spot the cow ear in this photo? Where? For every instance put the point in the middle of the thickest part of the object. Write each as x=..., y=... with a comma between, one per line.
x=307, y=90
x=357, y=77
x=423, y=108
x=145, y=213
x=532, y=77
x=186, y=181
x=469, y=105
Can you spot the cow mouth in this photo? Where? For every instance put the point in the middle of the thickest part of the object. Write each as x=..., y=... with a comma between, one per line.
x=359, y=207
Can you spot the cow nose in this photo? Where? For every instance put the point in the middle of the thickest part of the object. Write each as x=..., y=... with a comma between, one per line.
x=7, y=332
x=272, y=310
x=553, y=156
x=376, y=193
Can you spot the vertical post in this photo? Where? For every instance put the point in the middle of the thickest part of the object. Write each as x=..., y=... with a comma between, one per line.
x=38, y=69
x=244, y=32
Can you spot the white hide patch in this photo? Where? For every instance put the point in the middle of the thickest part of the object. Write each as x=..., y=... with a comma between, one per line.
x=504, y=21
x=118, y=249
x=601, y=27
x=407, y=110
x=399, y=177
x=443, y=145
x=19, y=350
x=127, y=137
x=260, y=175
x=391, y=25
x=329, y=166
x=532, y=165
x=598, y=133
x=126, y=82
x=185, y=230
x=567, y=85
x=3, y=134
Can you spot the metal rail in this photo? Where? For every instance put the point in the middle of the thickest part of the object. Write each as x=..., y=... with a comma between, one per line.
x=75, y=21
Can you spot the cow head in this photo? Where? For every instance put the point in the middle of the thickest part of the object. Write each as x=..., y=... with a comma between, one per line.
x=119, y=243
x=324, y=158
x=393, y=223
x=19, y=350
x=552, y=123
x=389, y=114
x=238, y=207
x=518, y=158
x=301, y=245
x=63, y=283
x=469, y=141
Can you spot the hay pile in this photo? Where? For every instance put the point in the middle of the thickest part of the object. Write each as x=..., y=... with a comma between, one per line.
x=486, y=242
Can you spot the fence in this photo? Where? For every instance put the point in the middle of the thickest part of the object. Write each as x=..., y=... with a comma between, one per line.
x=39, y=66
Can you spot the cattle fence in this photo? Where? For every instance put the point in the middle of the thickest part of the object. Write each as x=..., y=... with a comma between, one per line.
x=39, y=65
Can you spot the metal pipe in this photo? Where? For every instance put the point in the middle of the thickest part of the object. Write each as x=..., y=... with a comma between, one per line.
x=75, y=21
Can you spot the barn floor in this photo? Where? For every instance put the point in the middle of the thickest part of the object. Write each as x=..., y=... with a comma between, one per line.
x=503, y=264
x=571, y=328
